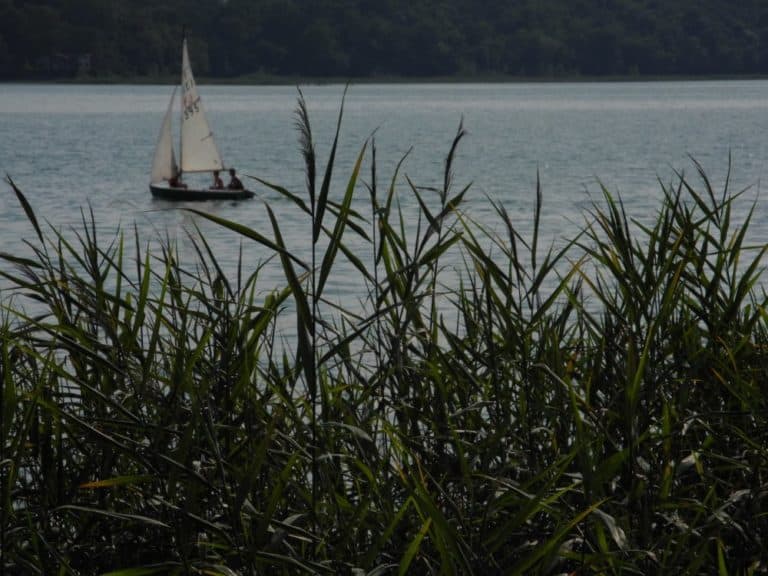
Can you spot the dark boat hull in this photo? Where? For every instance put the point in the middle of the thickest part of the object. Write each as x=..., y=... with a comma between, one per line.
x=166, y=192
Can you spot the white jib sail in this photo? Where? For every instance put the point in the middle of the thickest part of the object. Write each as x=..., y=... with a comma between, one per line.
x=198, y=149
x=164, y=163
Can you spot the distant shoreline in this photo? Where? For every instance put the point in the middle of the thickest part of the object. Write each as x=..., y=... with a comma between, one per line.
x=268, y=80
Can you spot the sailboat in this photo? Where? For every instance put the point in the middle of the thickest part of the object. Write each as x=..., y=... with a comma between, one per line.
x=197, y=150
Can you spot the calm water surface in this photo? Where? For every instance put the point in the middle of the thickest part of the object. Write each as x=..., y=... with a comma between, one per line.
x=70, y=147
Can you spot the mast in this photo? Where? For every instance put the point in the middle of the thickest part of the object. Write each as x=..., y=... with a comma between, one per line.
x=181, y=103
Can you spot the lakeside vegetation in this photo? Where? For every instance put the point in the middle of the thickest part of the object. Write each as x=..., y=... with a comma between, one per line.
x=94, y=39
x=599, y=408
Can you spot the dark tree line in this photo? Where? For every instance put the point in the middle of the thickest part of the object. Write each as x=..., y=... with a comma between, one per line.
x=363, y=38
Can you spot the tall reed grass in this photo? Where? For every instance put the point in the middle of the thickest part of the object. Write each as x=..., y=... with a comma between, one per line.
x=599, y=408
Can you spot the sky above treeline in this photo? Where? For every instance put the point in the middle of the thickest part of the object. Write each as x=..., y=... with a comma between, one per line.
x=383, y=38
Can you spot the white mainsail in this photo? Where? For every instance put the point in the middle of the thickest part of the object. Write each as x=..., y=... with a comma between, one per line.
x=164, y=165
x=198, y=150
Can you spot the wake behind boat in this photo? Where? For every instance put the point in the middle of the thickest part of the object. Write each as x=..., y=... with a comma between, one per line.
x=197, y=150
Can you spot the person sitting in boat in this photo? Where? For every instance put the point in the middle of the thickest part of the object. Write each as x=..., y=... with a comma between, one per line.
x=217, y=181
x=234, y=181
x=175, y=182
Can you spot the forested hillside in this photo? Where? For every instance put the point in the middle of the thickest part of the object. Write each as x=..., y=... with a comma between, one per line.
x=362, y=38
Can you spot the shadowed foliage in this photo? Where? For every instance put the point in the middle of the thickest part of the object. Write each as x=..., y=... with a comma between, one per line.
x=270, y=39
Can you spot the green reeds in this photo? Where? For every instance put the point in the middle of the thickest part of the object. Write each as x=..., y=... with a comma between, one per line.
x=488, y=406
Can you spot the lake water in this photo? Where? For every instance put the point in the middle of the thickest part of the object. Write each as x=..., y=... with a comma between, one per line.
x=68, y=147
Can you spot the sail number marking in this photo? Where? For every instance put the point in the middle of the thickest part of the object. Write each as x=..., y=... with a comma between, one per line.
x=192, y=108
